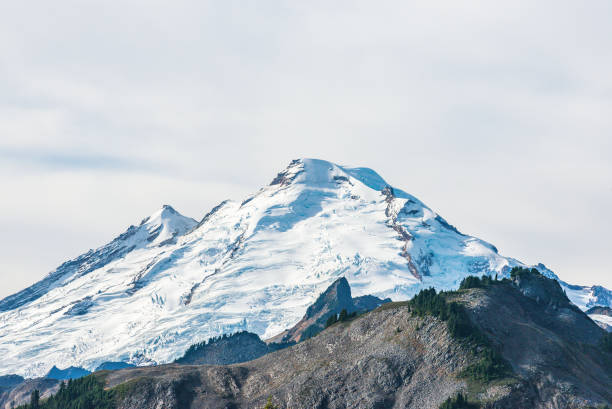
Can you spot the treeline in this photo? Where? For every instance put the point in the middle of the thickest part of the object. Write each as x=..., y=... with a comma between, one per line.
x=458, y=402
x=520, y=272
x=233, y=340
x=213, y=340
x=482, y=282
x=84, y=393
x=490, y=365
x=486, y=281
x=342, y=317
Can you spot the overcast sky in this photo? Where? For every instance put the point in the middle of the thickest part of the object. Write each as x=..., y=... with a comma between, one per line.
x=498, y=115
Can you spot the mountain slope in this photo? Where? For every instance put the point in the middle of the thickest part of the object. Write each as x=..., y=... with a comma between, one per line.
x=160, y=228
x=255, y=266
x=392, y=358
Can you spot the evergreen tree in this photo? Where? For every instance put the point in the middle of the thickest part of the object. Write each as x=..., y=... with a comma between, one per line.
x=606, y=342
x=331, y=320
x=458, y=402
x=83, y=393
x=269, y=404
x=490, y=364
x=34, y=399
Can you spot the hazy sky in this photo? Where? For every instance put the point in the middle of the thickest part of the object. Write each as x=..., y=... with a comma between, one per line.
x=498, y=115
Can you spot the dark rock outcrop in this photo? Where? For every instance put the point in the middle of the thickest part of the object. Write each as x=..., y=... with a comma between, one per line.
x=72, y=372
x=333, y=300
x=540, y=288
x=554, y=309
x=80, y=307
x=9, y=381
x=113, y=366
x=287, y=176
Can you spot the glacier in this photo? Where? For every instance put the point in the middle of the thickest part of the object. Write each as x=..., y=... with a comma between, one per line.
x=254, y=265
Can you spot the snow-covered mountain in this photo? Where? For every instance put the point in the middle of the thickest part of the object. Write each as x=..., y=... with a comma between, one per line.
x=254, y=265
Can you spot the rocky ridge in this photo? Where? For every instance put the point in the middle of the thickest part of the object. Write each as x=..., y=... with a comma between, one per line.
x=390, y=358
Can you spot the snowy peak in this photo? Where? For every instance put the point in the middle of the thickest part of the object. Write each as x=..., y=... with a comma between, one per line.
x=166, y=214
x=161, y=228
x=165, y=225
x=321, y=173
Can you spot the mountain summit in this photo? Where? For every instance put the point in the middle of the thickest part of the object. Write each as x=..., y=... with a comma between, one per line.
x=253, y=265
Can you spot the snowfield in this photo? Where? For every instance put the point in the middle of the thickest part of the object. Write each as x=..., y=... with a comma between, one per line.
x=254, y=265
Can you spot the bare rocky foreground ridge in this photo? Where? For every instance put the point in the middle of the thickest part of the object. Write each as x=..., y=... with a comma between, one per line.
x=394, y=358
